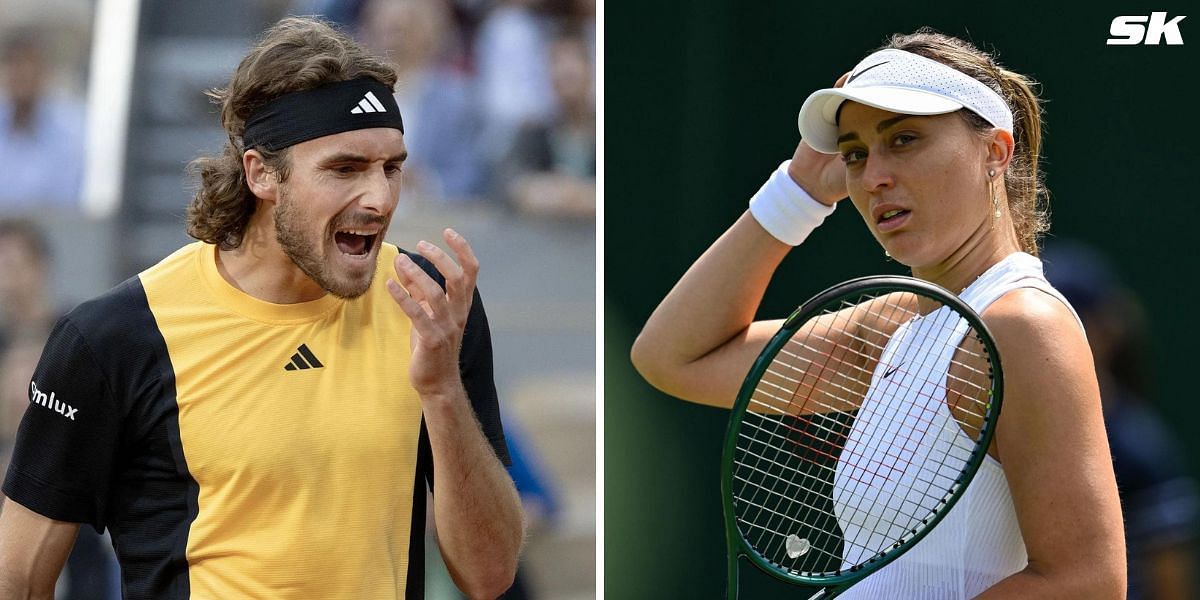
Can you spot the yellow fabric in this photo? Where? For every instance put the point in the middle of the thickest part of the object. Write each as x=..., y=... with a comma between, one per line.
x=306, y=476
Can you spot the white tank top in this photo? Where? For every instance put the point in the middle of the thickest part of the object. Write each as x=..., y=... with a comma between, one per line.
x=978, y=542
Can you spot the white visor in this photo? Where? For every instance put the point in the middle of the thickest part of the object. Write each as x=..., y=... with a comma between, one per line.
x=900, y=82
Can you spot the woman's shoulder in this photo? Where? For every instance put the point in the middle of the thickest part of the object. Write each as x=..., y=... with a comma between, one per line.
x=1041, y=346
x=1031, y=313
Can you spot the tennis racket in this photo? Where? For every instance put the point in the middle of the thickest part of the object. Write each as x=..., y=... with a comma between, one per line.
x=857, y=429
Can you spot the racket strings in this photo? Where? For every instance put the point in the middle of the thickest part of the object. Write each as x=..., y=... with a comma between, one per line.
x=826, y=406
x=875, y=346
x=789, y=453
x=798, y=382
x=786, y=496
x=865, y=470
x=824, y=447
x=809, y=495
x=798, y=356
x=856, y=501
x=826, y=523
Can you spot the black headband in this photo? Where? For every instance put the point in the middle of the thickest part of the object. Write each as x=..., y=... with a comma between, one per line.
x=301, y=116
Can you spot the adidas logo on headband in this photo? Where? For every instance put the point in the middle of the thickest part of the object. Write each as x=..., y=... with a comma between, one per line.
x=368, y=104
x=300, y=116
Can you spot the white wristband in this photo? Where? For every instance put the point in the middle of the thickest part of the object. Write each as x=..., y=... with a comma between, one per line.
x=785, y=210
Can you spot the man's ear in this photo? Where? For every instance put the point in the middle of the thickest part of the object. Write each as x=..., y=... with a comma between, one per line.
x=1000, y=150
x=262, y=181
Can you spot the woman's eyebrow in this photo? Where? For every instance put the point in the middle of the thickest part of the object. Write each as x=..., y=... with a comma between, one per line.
x=884, y=124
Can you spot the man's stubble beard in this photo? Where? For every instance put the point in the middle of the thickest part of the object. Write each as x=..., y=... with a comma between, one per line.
x=289, y=232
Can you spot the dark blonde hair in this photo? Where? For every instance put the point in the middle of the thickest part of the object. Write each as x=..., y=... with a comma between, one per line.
x=298, y=53
x=1028, y=199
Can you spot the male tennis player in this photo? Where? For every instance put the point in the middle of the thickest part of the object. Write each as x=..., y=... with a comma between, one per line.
x=254, y=416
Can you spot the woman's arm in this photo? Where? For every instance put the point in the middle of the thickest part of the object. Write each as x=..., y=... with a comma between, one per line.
x=1052, y=443
x=701, y=340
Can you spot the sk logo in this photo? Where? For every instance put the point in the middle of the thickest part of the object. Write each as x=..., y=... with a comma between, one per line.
x=1129, y=31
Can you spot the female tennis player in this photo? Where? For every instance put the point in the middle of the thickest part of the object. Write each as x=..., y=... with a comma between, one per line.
x=936, y=145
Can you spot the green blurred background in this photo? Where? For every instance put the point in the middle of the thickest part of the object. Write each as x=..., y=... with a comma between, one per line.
x=700, y=106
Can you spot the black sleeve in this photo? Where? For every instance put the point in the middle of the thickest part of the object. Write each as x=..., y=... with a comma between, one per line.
x=475, y=364
x=66, y=447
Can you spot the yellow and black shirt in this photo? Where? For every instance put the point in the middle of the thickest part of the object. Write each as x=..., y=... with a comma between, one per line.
x=236, y=448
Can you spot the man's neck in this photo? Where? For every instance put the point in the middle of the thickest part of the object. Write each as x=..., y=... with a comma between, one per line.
x=260, y=268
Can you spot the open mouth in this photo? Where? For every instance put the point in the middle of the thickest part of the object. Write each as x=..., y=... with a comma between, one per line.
x=353, y=242
x=890, y=215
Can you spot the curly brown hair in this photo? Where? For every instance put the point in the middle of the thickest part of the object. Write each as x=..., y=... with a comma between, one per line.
x=298, y=53
x=1028, y=199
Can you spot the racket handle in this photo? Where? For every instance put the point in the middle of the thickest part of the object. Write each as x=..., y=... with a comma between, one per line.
x=731, y=578
x=819, y=594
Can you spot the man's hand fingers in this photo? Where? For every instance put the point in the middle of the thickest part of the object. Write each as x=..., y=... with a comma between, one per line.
x=416, y=313
x=419, y=284
x=466, y=256
x=445, y=265
x=429, y=333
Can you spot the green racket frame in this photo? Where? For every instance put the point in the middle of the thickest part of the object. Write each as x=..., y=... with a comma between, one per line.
x=831, y=586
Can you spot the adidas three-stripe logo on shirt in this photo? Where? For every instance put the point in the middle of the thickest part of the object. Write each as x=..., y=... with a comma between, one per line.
x=303, y=359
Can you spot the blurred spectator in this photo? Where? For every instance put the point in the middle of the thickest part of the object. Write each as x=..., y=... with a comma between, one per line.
x=26, y=309
x=551, y=169
x=1160, y=499
x=583, y=14
x=514, y=78
x=574, y=15
x=41, y=134
x=442, y=124
x=17, y=362
x=539, y=494
x=344, y=13
x=539, y=501
x=26, y=315
x=487, y=105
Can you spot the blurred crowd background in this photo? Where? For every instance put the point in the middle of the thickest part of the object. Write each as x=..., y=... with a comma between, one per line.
x=499, y=107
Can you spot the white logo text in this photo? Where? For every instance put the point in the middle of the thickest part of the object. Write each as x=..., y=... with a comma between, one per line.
x=37, y=396
x=1129, y=31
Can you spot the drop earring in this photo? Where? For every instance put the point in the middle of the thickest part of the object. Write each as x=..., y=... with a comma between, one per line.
x=992, y=190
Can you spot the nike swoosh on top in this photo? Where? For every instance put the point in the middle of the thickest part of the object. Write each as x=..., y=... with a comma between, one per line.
x=892, y=370
x=855, y=75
